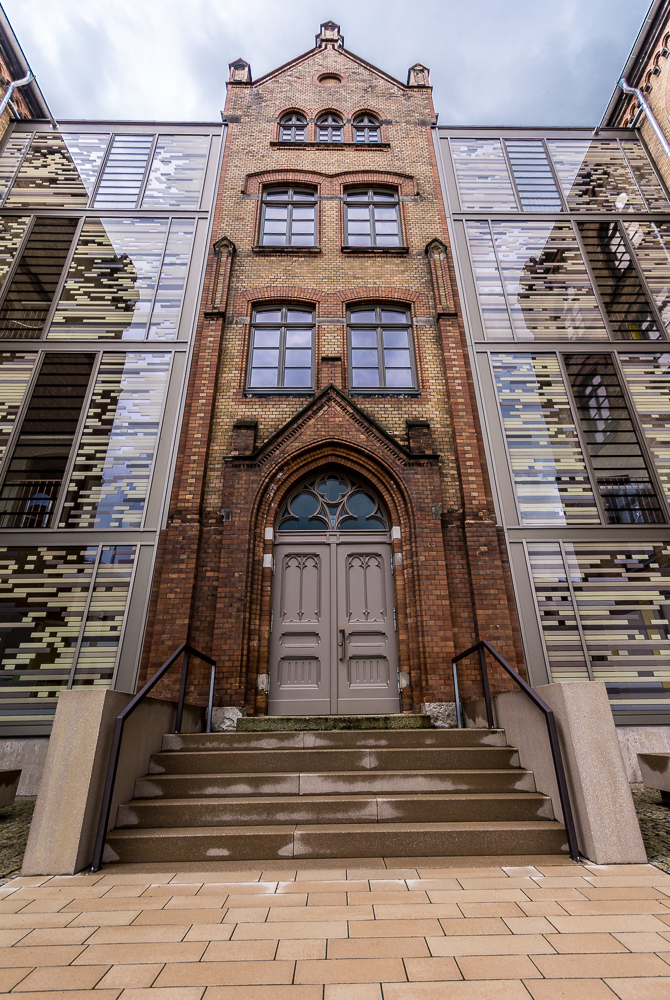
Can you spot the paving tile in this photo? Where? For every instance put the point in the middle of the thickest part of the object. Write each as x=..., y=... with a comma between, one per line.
x=434, y=884
x=211, y=902
x=650, y=989
x=13, y=905
x=130, y=976
x=496, y=883
x=324, y=913
x=403, y=898
x=278, y=875
x=226, y=974
x=609, y=924
x=9, y=937
x=657, y=880
x=495, y=944
x=588, y=907
x=474, y=925
x=56, y=935
x=582, y=944
x=561, y=882
x=382, y=873
x=502, y=909
x=458, y=872
x=70, y=995
x=394, y=885
x=171, y=889
x=112, y=903
x=497, y=967
x=139, y=878
x=394, y=928
x=130, y=954
x=643, y=942
x=351, y=970
x=639, y=869
x=329, y=898
x=210, y=932
x=338, y=885
x=538, y=893
x=253, y=914
x=23, y=880
x=296, y=899
x=321, y=875
x=425, y=970
x=10, y=977
x=529, y=925
x=407, y=947
x=139, y=934
x=422, y=910
x=498, y=989
x=60, y=892
x=261, y=993
x=111, y=918
x=60, y=977
x=637, y=892
x=46, y=955
x=240, y=951
x=239, y=888
x=300, y=948
x=569, y=989
x=10, y=921
x=599, y=966
x=545, y=909
x=208, y=877
x=308, y=929
x=476, y=895
x=180, y=917
x=179, y=993
x=352, y=991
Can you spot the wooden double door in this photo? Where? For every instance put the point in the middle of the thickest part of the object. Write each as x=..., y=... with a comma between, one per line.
x=333, y=644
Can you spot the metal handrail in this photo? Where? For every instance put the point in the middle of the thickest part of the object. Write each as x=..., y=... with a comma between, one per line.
x=482, y=647
x=106, y=805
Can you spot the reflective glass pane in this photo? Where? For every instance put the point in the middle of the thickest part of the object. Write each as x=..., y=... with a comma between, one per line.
x=268, y=315
x=399, y=378
x=177, y=172
x=534, y=178
x=365, y=378
x=48, y=177
x=10, y=159
x=558, y=615
x=394, y=316
x=102, y=632
x=275, y=194
x=495, y=317
x=364, y=357
x=88, y=151
x=266, y=338
x=296, y=358
x=112, y=469
x=263, y=378
x=112, y=278
x=648, y=380
x=357, y=196
x=299, y=316
x=395, y=338
x=12, y=230
x=364, y=338
x=651, y=244
x=648, y=183
x=297, y=378
x=170, y=293
x=594, y=176
x=550, y=477
x=384, y=196
x=362, y=315
x=300, y=195
x=265, y=357
x=124, y=171
x=396, y=359
x=482, y=176
x=16, y=369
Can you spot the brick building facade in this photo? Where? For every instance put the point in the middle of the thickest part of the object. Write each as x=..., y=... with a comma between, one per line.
x=311, y=148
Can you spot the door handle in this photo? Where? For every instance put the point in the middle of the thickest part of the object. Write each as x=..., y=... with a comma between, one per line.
x=343, y=643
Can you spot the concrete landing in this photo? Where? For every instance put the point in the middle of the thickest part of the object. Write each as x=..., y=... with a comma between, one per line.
x=301, y=723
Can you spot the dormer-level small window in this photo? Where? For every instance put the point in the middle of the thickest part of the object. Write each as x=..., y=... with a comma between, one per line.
x=293, y=128
x=366, y=129
x=329, y=128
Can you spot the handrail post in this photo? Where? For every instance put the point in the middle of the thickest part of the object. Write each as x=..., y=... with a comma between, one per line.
x=485, y=685
x=182, y=691
x=210, y=703
x=457, y=697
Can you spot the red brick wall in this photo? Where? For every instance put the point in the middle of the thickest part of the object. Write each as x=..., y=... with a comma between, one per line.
x=423, y=453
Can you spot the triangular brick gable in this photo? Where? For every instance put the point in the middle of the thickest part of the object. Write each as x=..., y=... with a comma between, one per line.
x=341, y=54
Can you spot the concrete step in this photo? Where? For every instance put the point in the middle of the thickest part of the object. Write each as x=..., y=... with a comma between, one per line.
x=288, y=723
x=376, y=759
x=363, y=840
x=339, y=739
x=319, y=809
x=485, y=780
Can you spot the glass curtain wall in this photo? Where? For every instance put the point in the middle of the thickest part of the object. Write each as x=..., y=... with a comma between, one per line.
x=103, y=232
x=563, y=250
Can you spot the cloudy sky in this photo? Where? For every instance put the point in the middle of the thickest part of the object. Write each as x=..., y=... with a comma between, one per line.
x=509, y=62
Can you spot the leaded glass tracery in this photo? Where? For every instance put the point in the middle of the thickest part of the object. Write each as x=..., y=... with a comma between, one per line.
x=333, y=502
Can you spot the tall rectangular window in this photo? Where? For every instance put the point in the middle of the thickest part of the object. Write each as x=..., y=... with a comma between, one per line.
x=40, y=457
x=288, y=217
x=281, y=352
x=380, y=349
x=618, y=461
x=372, y=218
x=33, y=285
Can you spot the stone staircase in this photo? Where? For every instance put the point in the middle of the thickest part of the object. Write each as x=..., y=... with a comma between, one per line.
x=337, y=794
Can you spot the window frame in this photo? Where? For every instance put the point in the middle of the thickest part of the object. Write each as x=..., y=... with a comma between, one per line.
x=330, y=122
x=382, y=388
x=371, y=203
x=289, y=202
x=292, y=122
x=283, y=325
x=368, y=123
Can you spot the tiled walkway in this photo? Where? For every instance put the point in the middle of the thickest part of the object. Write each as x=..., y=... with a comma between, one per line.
x=404, y=929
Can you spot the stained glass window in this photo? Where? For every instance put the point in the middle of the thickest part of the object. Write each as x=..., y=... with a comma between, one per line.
x=61, y=614
x=114, y=277
x=550, y=476
x=113, y=465
x=482, y=176
x=622, y=599
x=177, y=172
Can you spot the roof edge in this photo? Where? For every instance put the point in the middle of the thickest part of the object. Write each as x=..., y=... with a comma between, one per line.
x=647, y=37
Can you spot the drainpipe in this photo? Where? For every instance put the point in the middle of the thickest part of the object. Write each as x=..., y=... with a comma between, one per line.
x=644, y=107
x=28, y=79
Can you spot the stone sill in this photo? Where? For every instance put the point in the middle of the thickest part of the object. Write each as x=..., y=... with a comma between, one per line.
x=285, y=250
x=331, y=145
x=398, y=251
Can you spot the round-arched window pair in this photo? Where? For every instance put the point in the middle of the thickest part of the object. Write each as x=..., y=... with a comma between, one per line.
x=333, y=502
x=329, y=128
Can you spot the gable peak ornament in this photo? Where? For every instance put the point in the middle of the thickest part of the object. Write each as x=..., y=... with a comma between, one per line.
x=329, y=36
x=418, y=75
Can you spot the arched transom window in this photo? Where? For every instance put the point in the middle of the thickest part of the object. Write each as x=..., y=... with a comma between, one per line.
x=366, y=129
x=329, y=128
x=293, y=127
x=333, y=502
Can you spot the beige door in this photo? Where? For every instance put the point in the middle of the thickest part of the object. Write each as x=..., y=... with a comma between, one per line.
x=333, y=645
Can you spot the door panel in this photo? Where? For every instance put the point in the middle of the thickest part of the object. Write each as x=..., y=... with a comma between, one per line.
x=299, y=653
x=329, y=589
x=368, y=673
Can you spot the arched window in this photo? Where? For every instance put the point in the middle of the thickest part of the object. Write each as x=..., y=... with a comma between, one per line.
x=333, y=502
x=329, y=128
x=366, y=129
x=293, y=127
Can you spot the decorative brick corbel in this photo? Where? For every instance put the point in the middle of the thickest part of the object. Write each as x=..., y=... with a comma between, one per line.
x=438, y=258
x=224, y=251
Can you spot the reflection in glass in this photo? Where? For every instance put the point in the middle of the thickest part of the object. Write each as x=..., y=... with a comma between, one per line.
x=482, y=176
x=9, y=161
x=16, y=369
x=594, y=176
x=648, y=380
x=380, y=355
x=281, y=354
x=48, y=177
x=551, y=480
x=651, y=245
x=177, y=172
x=122, y=178
x=533, y=176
